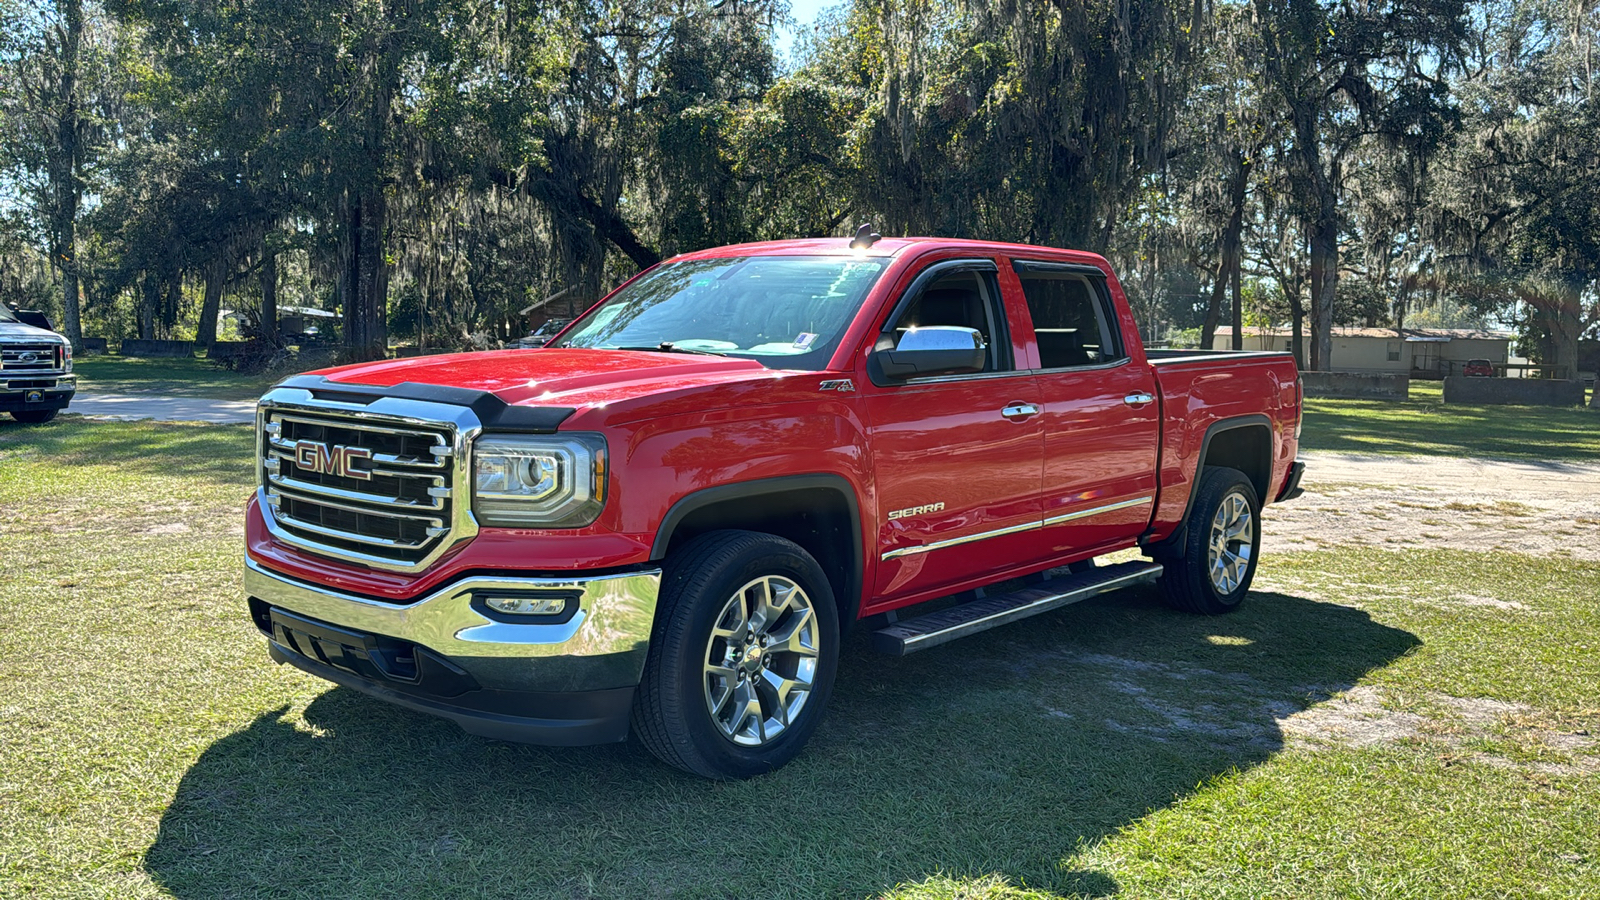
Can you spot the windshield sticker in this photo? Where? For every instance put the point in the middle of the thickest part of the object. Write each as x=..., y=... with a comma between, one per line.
x=804, y=340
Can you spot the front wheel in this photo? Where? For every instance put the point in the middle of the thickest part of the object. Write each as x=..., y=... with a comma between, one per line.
x=34, y=416
x=742, y=656
x=1220, y=550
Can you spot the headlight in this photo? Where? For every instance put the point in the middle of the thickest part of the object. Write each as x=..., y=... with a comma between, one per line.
x=538, y=481
x=66, y=355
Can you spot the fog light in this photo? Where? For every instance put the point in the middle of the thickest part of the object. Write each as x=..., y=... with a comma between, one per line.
x=526, y=604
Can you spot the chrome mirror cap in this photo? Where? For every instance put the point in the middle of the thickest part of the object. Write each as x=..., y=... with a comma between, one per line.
x=933, y=350
x=941, y=337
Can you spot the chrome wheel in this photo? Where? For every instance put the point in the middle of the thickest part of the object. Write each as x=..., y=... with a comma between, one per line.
x=761, y=660
x=1231, y=544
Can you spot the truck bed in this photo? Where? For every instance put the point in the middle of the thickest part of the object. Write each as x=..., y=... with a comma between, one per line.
x=1204, y=391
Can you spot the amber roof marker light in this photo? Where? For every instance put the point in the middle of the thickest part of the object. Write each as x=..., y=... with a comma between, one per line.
x=865, y=237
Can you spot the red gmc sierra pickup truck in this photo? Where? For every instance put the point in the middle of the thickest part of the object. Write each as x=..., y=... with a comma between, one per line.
x=663, y=520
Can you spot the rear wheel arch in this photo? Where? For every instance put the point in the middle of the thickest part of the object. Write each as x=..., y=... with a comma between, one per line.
x=820, y=512
x=1243, y=443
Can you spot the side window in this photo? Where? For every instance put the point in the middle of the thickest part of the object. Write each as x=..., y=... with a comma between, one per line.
x=963, y=299
x=1070, y=319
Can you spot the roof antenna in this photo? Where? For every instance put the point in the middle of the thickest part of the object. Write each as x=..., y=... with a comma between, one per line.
x=865, y=237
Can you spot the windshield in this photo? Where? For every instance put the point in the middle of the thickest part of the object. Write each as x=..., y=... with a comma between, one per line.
x=6, y=316
x=788, y=312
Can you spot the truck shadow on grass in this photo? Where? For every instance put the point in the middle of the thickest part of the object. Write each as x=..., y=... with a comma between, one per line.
x=997, y=756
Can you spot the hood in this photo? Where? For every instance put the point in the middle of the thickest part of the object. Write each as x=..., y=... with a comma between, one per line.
x=21, y=332
x=564, y=377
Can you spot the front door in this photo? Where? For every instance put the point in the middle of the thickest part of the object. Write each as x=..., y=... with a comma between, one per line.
x=957, y=458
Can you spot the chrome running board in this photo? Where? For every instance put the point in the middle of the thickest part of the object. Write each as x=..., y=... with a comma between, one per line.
x=980, y=615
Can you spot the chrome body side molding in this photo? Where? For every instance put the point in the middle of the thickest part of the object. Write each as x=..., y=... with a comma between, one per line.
x=1013, y=529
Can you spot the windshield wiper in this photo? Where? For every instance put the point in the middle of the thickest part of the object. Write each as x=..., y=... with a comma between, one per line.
x=670, y=347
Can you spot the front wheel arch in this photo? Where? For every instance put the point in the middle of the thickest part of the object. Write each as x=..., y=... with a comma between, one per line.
x=818, y=511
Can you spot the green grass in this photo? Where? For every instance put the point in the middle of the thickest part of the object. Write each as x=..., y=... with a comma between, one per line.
x=167, y=377
x=148, y=748
x=1425, y=425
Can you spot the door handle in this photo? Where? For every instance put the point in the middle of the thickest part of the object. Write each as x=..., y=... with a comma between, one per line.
x=1138, y=399
x=1018, y=411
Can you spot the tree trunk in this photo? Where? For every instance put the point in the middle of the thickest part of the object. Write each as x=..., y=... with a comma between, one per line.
x=366, y=270
x=65, y=161
x=149, y=299
x=1219, y=286
x=1229, y=264
x=268, y=326
x=1322, y=225
x=1324, y=283
x=1297, y=341
x=365, y=278
x=216, y=279
x=169, y=311
x=1563, y=324
x=1238, y=304
x=611, y=226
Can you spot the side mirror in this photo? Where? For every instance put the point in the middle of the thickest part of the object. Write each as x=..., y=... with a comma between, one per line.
x=934, y=350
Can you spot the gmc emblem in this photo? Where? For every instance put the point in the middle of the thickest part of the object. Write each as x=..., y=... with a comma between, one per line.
x=315, y=457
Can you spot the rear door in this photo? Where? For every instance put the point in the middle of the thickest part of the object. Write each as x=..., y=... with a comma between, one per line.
x=957, y=458
x=1101, y=417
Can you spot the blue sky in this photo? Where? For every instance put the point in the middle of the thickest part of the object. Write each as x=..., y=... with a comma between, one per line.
x=803, y=11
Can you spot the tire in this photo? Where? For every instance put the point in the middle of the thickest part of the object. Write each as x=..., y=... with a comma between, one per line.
x=1210, y=572
x=34, y=416
x=744, y=620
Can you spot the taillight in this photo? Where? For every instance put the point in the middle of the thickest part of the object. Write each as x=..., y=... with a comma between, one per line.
x=1299, y=405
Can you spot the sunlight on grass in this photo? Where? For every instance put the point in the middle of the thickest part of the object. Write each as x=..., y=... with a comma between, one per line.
x=168, y=377
x=1425, y=425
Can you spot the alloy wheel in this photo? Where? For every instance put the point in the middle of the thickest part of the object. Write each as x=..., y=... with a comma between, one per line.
x=761, y=660
x=1232, y=541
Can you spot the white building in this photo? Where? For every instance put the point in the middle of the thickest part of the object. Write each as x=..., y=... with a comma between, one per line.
x=1418, y=352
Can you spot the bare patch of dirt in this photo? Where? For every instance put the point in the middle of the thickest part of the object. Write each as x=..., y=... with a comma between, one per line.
x=1355, y=719
x=1449, y=502
x=1360, y=717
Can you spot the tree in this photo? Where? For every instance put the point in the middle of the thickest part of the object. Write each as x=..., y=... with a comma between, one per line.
x=311, y=132
x=1010, y=120
x=1520, y=199
x=1341, y=73
x=59, y=64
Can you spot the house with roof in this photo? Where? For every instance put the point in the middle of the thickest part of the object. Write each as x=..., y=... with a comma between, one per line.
x=1417, y=352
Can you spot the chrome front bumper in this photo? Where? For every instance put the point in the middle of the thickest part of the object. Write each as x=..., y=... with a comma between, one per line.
x=568, y=680
x=18, y=391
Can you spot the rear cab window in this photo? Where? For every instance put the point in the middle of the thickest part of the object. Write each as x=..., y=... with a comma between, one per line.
x=1074, y=322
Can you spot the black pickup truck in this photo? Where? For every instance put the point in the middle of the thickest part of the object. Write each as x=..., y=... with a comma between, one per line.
x=36, y=379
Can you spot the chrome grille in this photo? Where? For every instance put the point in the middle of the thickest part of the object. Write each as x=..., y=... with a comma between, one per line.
x=391, y=500
x=31, y=358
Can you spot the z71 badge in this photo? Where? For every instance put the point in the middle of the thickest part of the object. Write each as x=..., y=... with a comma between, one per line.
x=916, y=511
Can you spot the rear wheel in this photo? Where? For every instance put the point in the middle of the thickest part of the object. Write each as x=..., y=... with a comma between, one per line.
x=34, y=416
x=742, y=656
x=1216, y=562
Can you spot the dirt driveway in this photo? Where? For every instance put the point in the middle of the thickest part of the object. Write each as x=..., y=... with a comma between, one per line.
x=130, y=407
x=1465, y=504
